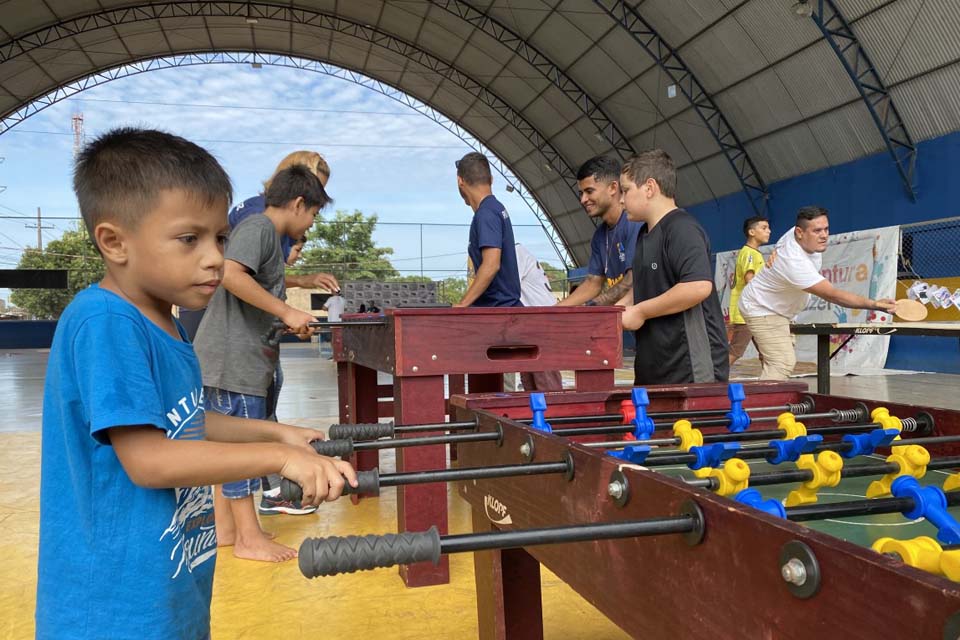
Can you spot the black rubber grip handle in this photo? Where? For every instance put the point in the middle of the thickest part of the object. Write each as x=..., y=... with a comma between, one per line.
x=333, y=448
x=357, y=432
x=368, y=483
x=330, y=556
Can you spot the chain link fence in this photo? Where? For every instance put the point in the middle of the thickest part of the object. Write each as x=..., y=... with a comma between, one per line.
x=929, y=250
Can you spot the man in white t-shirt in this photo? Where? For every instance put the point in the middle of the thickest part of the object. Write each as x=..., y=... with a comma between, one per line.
x=335, y=305
x=778, y=293
x=535, y=292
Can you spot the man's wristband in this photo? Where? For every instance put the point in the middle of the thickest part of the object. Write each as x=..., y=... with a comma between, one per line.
x=590, y=303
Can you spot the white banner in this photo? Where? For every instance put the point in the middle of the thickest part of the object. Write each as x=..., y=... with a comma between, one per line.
x=863, y=262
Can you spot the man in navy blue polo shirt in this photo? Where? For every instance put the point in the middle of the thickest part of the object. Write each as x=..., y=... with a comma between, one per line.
x=492, y=251
x=609, y=274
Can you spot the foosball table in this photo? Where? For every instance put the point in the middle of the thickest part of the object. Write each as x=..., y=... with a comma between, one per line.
x=748, y=511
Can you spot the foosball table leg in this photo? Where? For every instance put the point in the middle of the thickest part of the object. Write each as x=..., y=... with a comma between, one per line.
x=508, y=591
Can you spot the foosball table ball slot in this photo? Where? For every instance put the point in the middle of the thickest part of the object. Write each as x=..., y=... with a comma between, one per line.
x=799, y=569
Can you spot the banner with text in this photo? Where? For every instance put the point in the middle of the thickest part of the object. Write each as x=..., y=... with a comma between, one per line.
x=862, y=262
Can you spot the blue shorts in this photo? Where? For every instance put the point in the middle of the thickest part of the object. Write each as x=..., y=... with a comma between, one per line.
x=240, y=405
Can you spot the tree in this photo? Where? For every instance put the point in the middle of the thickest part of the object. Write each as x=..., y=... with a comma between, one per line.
x=556, y=277
x=451, y=290
x=344, y=247
x=74, y=252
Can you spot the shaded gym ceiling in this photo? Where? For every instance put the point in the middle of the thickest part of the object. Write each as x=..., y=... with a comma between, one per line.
x=741, y=93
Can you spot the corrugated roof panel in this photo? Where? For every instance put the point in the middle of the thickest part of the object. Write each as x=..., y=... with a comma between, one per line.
x=597, y=73
x=691, y=187
x=853, y=9
x=663, y=137
x=523, y=16
x=561, y=41
x=911, y=36
x=930, y=105
x=631, y=109
x=758, y=105
x=718, y=173
x=816, y=79
x=775, y=29
x=590, y=19
x=551, y=112
x=404, y=19
x=656, y=84
x=625, y=51
x=677, y=20
x=722, y=55
x=847, y=133
x=787, y=153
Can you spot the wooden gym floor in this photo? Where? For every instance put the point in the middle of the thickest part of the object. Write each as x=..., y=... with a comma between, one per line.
x=258, y=600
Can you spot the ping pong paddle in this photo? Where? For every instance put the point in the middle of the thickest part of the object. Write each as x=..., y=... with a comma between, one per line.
x=910, y=310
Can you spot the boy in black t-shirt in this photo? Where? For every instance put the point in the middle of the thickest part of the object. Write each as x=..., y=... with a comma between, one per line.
x=677, y=317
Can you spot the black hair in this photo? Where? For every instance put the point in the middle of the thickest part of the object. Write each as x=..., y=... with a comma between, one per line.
x=806, y=214
x=296, y=182
x=474, y=168
x=656, y=164
x=601, y=169
x=750, y=223
x=120, y=175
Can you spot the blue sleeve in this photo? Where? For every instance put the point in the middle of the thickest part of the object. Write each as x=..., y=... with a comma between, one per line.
x=597, y=249
x=630, y=241
x=489, y=229
x=115, y=379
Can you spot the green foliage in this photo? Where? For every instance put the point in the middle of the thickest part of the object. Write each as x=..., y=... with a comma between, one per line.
x=344, y=246
x=556, y=276
x=73, y=252
x=451, y=289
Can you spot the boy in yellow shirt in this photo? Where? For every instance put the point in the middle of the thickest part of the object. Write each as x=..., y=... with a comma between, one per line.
x=749, y=263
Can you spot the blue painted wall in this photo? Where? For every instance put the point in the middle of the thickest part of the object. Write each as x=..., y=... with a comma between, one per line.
x=27, y=334
x=862, y=194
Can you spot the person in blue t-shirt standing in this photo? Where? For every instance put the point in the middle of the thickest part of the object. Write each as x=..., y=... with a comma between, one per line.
x=492, y=251
x=610, y=273
x=127, y=538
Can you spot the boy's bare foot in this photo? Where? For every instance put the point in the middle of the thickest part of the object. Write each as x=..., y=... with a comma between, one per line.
x=269, y=535
x=263, y=549
x=226, y=536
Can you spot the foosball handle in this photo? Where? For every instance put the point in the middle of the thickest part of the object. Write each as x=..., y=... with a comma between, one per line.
x=330, y=556
x=333, y=448
x=363, y=431
x=368, y=483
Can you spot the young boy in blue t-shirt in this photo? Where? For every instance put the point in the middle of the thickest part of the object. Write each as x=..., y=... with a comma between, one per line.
x=127, y=538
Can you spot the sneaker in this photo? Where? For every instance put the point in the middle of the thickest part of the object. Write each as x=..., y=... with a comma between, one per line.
x=272, y=505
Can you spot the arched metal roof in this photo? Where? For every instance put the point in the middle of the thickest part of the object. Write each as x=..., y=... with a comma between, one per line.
x=740, y=92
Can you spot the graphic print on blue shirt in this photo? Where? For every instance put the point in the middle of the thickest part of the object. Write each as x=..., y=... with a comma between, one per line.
x=612, y=250
x=491, y=227
x=105, y=542
x=250, y=206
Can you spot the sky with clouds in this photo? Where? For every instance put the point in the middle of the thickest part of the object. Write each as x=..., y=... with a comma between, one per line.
x=386, y=158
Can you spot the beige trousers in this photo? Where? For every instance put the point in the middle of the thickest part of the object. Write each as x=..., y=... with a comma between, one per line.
x=776, y=345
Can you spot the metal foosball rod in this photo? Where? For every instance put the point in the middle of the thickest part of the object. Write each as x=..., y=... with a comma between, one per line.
x=837, y=415
x=346, y=446
x=798, y=408
x=347, y=554
x=334, y=555
x=806, y=475
x=371, y=481
x=375, y=430
x=910, y=425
